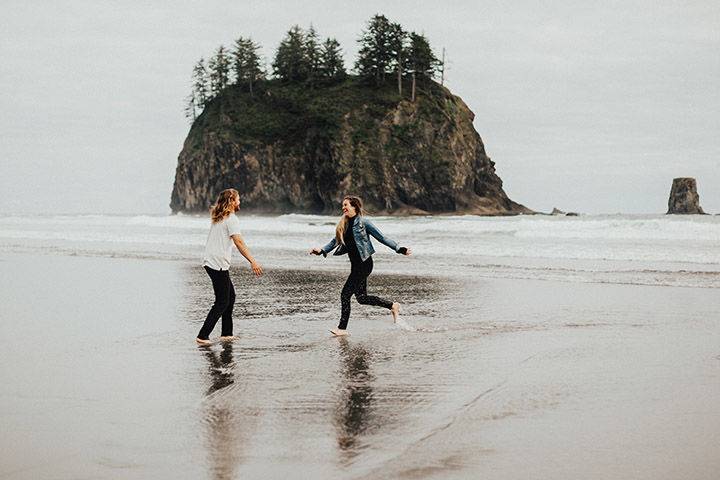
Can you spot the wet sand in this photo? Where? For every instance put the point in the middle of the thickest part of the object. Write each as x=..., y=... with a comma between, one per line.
x=503, y=378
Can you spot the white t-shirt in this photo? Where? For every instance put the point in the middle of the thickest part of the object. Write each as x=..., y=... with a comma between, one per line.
x=219, y=246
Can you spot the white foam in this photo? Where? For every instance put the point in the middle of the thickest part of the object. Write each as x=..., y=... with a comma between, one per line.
x=454, y=240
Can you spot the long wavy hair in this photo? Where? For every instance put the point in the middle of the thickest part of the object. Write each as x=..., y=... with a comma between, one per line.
x=223, y=205
x=342, y=224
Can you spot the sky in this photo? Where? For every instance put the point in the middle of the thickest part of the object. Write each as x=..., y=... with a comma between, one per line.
x=591, y=107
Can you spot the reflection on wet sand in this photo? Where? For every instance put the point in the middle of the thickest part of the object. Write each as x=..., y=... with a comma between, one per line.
x=221, y=367
x=355, y=410
x=223, y=441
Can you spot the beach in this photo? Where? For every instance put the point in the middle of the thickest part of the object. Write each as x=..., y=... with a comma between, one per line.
x=532, y=350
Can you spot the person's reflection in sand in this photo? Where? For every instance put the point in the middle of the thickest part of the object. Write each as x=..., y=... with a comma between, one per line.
x=221, y=366
x=355, y=407
x=223, y=454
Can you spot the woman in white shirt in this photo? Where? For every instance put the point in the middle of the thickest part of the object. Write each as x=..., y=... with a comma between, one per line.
x=224, y=234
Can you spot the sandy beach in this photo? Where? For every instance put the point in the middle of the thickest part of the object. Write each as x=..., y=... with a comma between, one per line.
x=502, y=378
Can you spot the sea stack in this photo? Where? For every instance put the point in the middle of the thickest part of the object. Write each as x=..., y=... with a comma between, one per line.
x=288, y=148
x=684, y=198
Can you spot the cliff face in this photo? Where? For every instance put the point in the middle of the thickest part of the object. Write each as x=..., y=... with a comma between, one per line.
x=294, y=149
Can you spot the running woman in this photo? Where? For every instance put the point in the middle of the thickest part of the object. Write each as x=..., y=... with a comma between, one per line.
x=352, y=236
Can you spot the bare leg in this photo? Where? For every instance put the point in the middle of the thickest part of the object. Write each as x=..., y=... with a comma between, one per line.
x=395, y=310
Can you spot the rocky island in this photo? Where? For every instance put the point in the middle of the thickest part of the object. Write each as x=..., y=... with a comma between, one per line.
x=293, y=150
x=300, y=141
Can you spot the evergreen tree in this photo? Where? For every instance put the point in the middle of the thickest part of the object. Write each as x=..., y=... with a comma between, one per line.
x=331, y=60
x=238, y=58
x=397, y=51
x=312, y=53
x=376, y=55
x=247, y=63
x=190, y=108
x=195, y=102
x=219, y=67
x=421, y=59
x=200, y=89
x=291, y=62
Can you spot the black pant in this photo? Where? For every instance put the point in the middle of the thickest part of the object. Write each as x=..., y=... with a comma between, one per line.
x=223, y=306
x=357, y=284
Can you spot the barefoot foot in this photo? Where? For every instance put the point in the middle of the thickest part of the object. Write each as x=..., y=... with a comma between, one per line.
x=338, y=332
x=395, y=310
x=200, y=341
x=228, y=338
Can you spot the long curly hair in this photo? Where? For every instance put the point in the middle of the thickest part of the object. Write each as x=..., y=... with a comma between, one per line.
x=342, y=224
x=224, y=205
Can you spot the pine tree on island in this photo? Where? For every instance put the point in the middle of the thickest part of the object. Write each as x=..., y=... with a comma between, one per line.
x=375, y=55
x=312, y=54
x=422, y=62
x=199, y=96
x=219, y=66
x=291, y=63
x=247, y=63
x=201, y=91
x=331, y=60
x=397, y=39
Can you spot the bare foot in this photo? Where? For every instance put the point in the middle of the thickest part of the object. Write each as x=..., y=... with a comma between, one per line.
x=338, y=332
x=200, y=341
x=395, y=310
x=229, y=338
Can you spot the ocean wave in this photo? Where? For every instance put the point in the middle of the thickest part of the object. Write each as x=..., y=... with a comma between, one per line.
x=671, y=228
x=649, y=239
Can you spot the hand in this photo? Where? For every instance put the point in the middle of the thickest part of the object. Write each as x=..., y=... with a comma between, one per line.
x=256, y=268
x=405, y=251
x=315, y=251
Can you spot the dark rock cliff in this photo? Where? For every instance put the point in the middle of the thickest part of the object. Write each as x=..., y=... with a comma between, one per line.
x=291, y=148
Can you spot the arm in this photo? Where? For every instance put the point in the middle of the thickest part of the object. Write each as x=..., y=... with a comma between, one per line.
x=326, y=249
x=245, y=252
x=373, y=230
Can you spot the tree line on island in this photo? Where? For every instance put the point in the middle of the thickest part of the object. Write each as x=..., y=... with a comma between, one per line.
x=387, y=53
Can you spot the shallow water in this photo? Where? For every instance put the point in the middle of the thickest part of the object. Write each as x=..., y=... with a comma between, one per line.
x=502, y=378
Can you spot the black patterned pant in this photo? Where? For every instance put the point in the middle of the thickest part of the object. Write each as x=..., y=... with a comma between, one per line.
x=356, y=284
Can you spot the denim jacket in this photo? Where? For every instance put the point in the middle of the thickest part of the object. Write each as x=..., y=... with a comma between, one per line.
x=362, y=230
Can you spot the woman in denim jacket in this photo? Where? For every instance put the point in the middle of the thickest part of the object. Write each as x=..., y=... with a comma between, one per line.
x=352, y=236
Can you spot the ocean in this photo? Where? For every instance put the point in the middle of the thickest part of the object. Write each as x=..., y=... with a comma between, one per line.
x=641, y=249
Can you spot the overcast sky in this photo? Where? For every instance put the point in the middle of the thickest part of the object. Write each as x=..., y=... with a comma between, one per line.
x=593, y=108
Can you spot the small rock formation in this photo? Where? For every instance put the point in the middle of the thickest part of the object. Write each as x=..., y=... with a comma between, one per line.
x=684, y=198
x=558, y=212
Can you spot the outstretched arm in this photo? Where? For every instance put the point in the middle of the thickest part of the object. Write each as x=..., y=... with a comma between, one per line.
x=389, y=242
x=245, y=252
x=326, y=249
